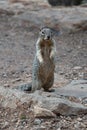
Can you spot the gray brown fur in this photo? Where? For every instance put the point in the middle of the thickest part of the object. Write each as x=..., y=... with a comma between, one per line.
x=44, y=62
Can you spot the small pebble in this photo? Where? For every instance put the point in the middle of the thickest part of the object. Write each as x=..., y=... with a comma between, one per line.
x=79, y=119
x=6, y=124
x=37, y=122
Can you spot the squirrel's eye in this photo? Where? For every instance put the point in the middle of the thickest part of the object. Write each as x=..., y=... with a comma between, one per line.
x=43, y=33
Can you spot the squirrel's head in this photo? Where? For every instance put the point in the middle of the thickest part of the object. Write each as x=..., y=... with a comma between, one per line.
x=47, y=33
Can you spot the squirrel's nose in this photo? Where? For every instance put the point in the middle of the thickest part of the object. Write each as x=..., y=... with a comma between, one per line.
x=48, y=37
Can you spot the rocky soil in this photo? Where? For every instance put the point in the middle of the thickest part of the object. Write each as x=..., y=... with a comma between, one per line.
x=19, y=26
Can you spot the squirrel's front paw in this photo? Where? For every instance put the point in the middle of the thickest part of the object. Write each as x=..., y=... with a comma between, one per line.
x=41, y=60
x=52, y=55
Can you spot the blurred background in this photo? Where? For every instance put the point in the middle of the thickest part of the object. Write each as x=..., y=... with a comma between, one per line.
x=20, y=22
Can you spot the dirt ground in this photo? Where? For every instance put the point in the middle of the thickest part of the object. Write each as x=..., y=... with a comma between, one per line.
x=17, y=50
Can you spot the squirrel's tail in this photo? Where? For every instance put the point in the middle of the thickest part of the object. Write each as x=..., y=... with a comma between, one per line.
x=25, y=87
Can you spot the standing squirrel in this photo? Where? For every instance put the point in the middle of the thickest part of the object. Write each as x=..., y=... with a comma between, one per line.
x=44, y=62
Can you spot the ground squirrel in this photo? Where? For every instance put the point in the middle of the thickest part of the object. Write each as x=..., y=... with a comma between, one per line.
x=44, y=62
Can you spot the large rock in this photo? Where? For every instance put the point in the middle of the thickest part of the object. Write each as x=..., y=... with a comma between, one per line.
x=65, y=2
x=42, y=112
x=59, y=105
x=49, y=104
x=77, y=88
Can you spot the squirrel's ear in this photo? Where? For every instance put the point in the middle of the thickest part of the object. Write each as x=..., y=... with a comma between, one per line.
x=42, y=27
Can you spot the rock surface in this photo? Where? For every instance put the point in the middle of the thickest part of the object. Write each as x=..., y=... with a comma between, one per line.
x=77, y=88
x=46, y=104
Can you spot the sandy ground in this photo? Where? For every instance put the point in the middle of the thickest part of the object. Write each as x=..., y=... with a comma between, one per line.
x=17, y=50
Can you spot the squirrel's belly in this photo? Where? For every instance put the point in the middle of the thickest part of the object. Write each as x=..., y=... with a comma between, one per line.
x=46, y=70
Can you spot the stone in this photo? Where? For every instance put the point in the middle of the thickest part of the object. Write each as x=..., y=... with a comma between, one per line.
x=37, y=121
x=60, y=106
x=58, y=129
x=42, y=112
x=49, y=104
x=79, y=119
x=6, y=125
x=77, y=68
x=84, y=101
x=6, y=85
x=64, y=2
x=77, y=88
